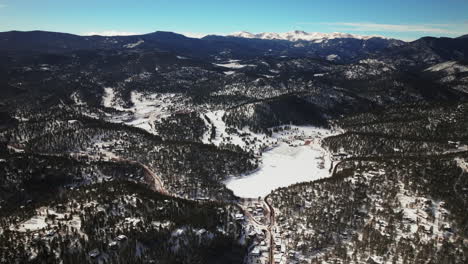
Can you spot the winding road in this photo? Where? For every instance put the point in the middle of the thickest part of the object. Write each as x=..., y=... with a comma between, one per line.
x=157, y=181
x=270, y=226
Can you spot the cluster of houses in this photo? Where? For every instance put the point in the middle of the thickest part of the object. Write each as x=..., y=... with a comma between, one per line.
x=260, y=251
x=256, y=232
x=257, y=211
x=340, y=155
x=279, y=250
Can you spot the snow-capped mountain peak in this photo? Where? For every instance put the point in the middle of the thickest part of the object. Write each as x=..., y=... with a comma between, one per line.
x=298, y=35
x=243, y=34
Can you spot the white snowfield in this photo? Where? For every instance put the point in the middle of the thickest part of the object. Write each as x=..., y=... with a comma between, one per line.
x=290, y=162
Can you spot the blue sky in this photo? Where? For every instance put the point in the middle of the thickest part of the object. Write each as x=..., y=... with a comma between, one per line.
x=408, y=20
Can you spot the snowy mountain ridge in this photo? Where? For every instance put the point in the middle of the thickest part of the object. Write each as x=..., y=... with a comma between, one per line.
x=298, y=35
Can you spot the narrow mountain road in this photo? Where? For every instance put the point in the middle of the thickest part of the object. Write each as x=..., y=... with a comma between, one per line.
x=158, y=183
x=267, y=226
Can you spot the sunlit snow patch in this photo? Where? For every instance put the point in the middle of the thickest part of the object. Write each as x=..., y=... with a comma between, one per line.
x=37, y=222
x=234, y=64
x=110, y=100
x=133, y=45
x=450, y=67
x=332, y=57
x=108, y=97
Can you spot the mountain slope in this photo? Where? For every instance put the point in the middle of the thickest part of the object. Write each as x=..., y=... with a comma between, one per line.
x=428, y=51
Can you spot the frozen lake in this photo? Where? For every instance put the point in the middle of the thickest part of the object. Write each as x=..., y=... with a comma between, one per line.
x=288, y=163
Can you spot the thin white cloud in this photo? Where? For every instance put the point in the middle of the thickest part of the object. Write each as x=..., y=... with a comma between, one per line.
x=108, y=33
x=451, y=29
x=3, y=5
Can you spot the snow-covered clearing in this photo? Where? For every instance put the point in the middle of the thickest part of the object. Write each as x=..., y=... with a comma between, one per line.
x=217, y=121
x=297, y=157
x=36, y=222
x=450, y=67
x=40, y=221
x=233, y=64
x=108, y=97
x=133, y=45
x=332, y=57
x=244, y=138
x=462, y=164
x=146, y=109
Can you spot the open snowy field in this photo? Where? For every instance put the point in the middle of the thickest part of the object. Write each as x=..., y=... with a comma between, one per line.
x=291, y=161
x=146, y=107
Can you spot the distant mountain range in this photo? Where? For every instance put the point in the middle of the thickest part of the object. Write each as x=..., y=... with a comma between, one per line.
x=298, y=35
x=337, y=47
x=343, y=47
